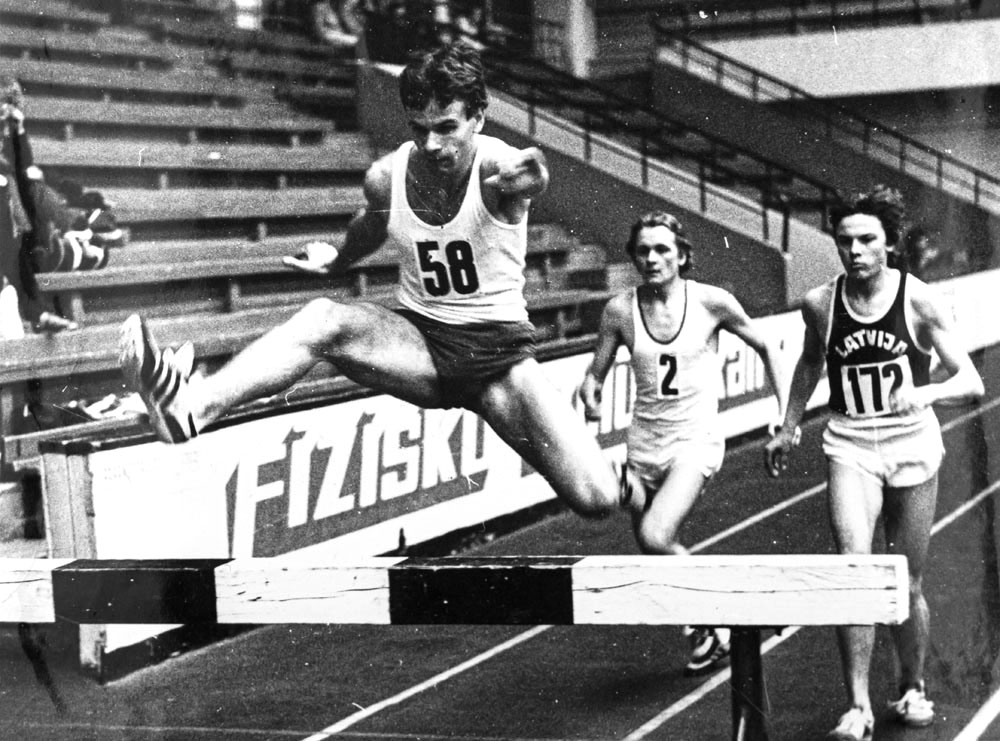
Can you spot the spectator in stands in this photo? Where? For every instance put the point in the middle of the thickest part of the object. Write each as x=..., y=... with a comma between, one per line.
x=59, y=228
x=453, y=205
x=670, y=325
x=874, y=327
x=19, y=173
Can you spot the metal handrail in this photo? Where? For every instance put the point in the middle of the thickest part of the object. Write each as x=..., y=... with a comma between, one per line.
x=554, y=88
x=875, y=139
x=649, y=135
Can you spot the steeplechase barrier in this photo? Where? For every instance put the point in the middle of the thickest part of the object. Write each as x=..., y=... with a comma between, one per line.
x=746, y=593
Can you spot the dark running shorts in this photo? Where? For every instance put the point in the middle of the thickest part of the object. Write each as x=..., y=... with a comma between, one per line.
x=468, y=355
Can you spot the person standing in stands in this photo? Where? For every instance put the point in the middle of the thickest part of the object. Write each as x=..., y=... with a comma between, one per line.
x=874, y=327
x=670, y=325
x=453, y=204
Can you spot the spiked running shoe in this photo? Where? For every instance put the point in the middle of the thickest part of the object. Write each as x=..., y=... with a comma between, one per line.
x=854, y=725
x=709, y=647
x=160, y=379
x=913, y=708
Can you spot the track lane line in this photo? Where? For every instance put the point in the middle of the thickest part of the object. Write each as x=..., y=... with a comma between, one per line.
x=416, y=689
x=710, y=684
x=718, y=679
x=980, y=721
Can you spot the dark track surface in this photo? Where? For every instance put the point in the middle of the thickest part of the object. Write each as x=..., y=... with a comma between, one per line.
x=567, y=683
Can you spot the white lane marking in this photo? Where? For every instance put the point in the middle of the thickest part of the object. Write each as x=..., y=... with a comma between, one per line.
x=981, y=720
x=709, y=685
x=684, y=702
x=965, y=507
x=350, y=720
x=718, y=679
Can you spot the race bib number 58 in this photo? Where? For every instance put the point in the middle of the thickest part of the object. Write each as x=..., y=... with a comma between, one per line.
x=449, y=268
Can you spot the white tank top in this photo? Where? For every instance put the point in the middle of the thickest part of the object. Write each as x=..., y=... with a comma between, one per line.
x=468, y=271
x=678, y=381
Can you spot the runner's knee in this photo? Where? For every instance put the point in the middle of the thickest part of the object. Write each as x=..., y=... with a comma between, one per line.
x=318, y=323
x=654, y=539
x=592, y=500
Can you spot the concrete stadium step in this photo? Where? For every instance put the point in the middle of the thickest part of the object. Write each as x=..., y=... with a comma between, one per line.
x=77, y=46
x=216, y=35
x=173, y=9
x=57, y=14
x=194, y=204
x=99, y=82
x=251, y=65
x=71, y=119
x=338, y=153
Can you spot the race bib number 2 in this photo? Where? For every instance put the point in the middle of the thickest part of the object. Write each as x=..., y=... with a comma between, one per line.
x=867, y=387
x=666, y=373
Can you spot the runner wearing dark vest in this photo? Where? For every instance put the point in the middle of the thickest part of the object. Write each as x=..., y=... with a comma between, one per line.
x=874, y=328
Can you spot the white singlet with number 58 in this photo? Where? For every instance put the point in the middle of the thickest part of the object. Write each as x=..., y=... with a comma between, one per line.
x=467, y=271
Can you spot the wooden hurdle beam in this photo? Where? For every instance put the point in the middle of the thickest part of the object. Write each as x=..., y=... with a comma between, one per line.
x=746, y=593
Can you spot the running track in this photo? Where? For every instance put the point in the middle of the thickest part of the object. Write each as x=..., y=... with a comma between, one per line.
x=582, y=683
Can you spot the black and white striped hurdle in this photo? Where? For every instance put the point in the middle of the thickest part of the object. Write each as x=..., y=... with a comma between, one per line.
x=747, y=593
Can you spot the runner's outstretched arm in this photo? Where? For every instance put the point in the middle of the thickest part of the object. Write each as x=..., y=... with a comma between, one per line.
x=365, y=233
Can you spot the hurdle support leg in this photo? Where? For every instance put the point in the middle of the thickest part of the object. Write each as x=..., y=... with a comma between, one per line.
x=749, y=698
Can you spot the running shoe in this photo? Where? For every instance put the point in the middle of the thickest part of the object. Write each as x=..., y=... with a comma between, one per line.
x=161, y=380
x=709, y=647
x=913, y=708
x=854, y=725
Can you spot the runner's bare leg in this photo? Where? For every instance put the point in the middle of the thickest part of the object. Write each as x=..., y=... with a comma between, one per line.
x=368, y=343
x=908, y=517
x=855, y=502
x=531, y=416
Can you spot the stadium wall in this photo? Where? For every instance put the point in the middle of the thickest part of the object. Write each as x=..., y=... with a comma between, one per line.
x=781, y=133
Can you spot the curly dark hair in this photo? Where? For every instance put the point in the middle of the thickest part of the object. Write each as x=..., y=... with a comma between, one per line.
x=882, y=202
x=662, y=218
x=449, y=73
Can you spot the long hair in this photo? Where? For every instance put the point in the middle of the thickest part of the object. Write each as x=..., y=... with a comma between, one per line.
x=449, y=73
x=882, y=202
x=662, y=218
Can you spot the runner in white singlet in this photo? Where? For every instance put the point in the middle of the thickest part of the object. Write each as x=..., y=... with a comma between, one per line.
x=468, y=270
x=670, y=326
x=454, y=204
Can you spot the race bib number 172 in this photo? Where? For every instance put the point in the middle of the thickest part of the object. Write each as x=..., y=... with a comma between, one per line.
x=867, y=387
